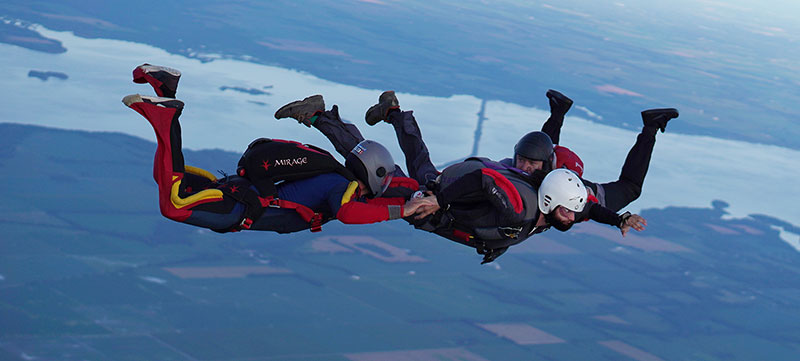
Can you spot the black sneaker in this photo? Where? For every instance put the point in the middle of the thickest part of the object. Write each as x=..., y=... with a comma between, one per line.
x=158, y=101
x=163, y=79
x=386, y=102
x=559, y=103
x=302, y=110
x=658, y=118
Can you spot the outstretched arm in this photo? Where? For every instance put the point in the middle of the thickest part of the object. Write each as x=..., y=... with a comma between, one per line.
x=624, y=221
x=350, y=208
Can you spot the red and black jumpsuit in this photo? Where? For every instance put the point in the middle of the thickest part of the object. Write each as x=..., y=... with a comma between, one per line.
x=194, y=196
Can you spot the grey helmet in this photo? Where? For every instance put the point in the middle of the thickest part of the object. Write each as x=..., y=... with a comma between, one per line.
x=536, y=146
x=372, y=164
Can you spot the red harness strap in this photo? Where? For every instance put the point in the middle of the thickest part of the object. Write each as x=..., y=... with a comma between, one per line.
x=308, y=214
x=464, y=236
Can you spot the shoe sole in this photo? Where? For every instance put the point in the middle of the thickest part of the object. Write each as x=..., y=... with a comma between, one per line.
x=661, y=111
x=147, y=69
x=129, y=100
x=372, y=122
x=660, y=117
x=558, y=96
x=287, y=110
x=385, y=97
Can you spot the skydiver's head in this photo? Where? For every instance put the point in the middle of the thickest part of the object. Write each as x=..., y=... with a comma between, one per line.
x=566, y=158
x=561, y=218
x=373, y=166
x=527, y=164
x=534, y=151
x=561, y=195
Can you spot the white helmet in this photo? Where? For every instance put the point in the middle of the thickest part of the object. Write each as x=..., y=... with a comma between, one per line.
x=562, y=187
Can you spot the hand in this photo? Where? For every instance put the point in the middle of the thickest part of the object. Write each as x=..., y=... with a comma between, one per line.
x=412, y=206
x=418, y=205
x=428, y=205
x=635, y=221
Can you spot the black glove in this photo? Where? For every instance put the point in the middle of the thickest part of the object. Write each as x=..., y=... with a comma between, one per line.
x=490, y=255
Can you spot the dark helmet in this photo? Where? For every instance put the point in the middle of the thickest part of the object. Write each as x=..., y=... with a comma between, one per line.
x=372, y=164
x=535, y=146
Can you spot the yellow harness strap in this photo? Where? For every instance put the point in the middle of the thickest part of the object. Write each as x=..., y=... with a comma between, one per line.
x=348, y=194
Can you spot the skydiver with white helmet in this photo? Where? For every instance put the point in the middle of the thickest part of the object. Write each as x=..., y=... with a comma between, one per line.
x=539, y=150
x=478, y=202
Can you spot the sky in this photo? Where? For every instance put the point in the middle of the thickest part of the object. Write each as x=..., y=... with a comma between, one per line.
x=686, y=170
